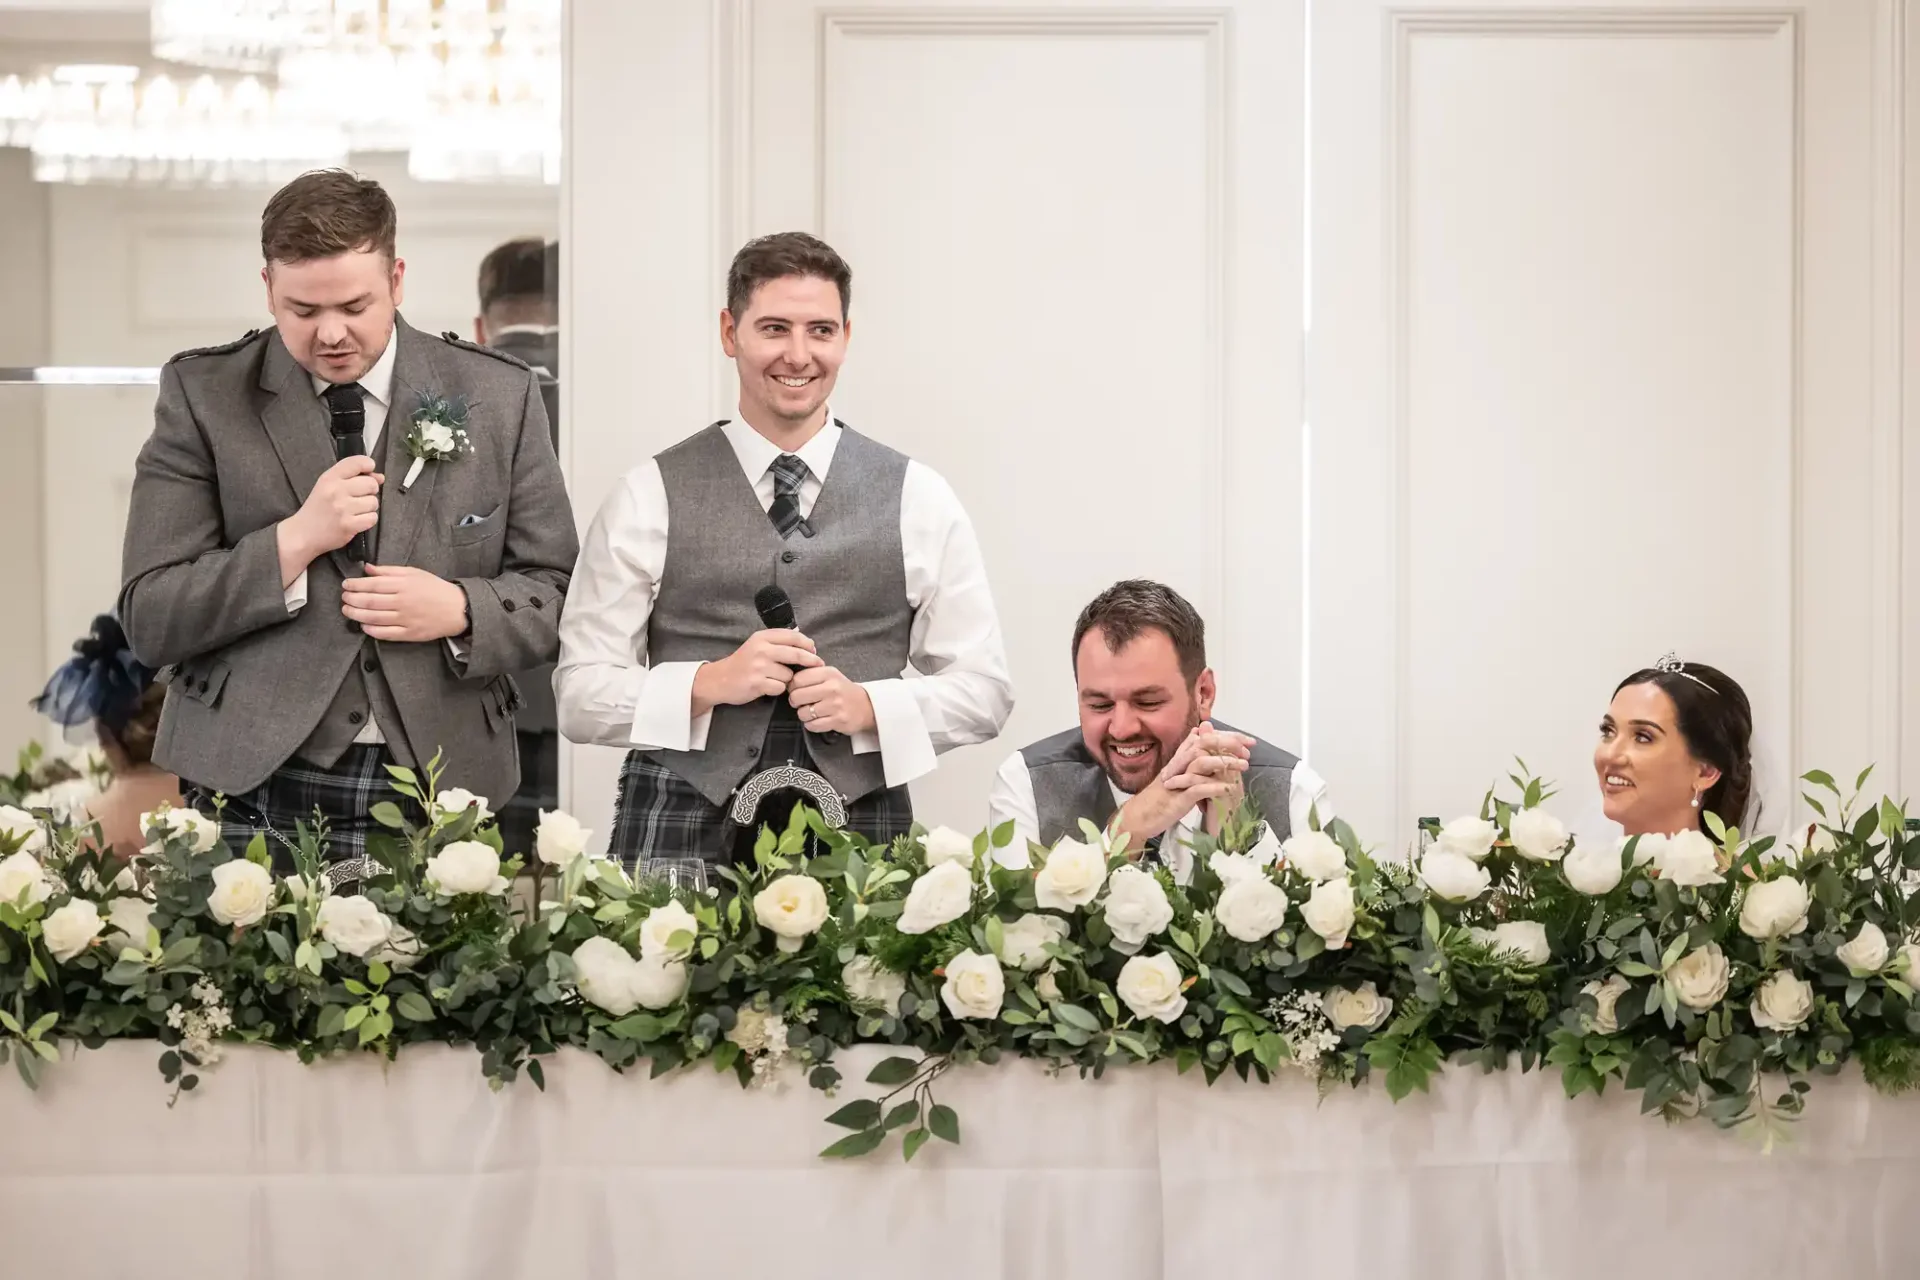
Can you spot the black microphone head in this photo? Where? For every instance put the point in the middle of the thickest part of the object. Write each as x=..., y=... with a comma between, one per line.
x=776, y=611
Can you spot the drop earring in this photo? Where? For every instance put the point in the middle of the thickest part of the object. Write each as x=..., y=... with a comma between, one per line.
x=1696, y=799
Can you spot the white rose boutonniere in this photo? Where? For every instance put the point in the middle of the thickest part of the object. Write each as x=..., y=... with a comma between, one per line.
x=438, y=434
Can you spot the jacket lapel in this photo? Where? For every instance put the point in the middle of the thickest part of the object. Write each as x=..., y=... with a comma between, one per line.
x=403, y=514
x=296, y=424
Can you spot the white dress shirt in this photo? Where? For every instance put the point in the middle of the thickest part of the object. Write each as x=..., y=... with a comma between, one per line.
x=956, y=691
x=1011, y=800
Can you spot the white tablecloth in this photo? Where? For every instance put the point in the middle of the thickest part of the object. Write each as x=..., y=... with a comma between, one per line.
x=272, y=1169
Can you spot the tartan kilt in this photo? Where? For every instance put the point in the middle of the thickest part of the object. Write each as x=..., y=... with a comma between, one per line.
x=344, y=793
x=659, y=814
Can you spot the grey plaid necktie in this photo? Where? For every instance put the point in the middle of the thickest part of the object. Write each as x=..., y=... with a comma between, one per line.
x=788, y=471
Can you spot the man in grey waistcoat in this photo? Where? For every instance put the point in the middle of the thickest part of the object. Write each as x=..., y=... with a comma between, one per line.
x=1147, y=758
x=297, y=671
x=664, y=651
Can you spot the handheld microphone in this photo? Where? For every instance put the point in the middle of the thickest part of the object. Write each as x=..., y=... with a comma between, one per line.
x=349, y=426
x=776, y=613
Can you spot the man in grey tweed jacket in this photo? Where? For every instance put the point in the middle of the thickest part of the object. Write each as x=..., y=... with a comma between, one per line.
x=296, y=673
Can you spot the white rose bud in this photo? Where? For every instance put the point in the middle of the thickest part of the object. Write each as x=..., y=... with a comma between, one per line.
x=18, y=824
x=867, y=983
x=940, y=896
x=1329, y=912
x=22, y=873
x=1700, y=977
x=1151, y=987
x=1229, y=868
x=455, y=801
x=658, y=930
x=974, y=987
x=560, y=838
x=1136, y=908
x=467, y=866
x=603, y=974
x=944, y=844
x=1690, y=859
x=1775, y=908
x=1593, y=869
x=1316, y=855
x=1360, y=1006
x=132, y=917
x=1911, y=974
x=1525, y=940
x=1251, y=909
x=242, y=892
x=1867, y=953
x=1023, y=942
x=353, y=924
x=791, y=907
x=199, y=831
x=1047, y=986
x=1071, y=877
x=1469, y=837
x=657, y=982
x=70, y=929
x=1453, y=877
x=1782, y=1003
x=1605, y=1020
x=1538, y=835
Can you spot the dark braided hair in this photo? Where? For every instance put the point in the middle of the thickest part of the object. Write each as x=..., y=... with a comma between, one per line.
x=1716, y=721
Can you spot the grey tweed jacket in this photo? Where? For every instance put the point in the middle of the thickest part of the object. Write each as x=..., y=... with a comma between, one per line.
x=239, y=440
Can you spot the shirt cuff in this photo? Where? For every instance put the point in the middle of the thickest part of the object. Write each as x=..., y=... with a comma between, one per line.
x=899, y=733
x=457, y=650
x=296, y=595
x=663, y=717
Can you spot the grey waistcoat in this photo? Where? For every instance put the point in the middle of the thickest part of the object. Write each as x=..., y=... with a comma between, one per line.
x=847, y=583
x=1068, y=784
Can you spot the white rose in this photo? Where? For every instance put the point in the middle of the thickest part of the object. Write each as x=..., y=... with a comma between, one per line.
x=756, y=1031
x=353, y=924
x=1538, y=835
x=603, y=974
x=69, y=930
x=1453, y=877
x=1229, y=868
x=1783, y=1002
x=944, y=844
x=126, y=881
x=401, y=951
x=867, y=983
x=199, y=831
x=1469, y=837
x=1605, y=1020
x=1911, y=975
x=1071, y=877
x=132, y=917
x=1700, y=977
x=1250, y=909
x=467, y=866
x=1047, y=986
x=22, y=873
x=658, y=929
x=1689, y=858
x=1023, y=942
x=560, y=838
x=18, y=824
x=1150, y=986
x=975, y=986
x=1775, y=908
x=1329, y=912
x=1867, y=954
x=1316, y=855
x=1136, y=908
x=1650, y=849
x=940, y=896
x=242, y=892
x=1593, y=869
x=1360, y=1006
x=455, y=801
x=792, y=906
x=657, y=982
x=1523, y=939
x=66, y=800
x=437, y=437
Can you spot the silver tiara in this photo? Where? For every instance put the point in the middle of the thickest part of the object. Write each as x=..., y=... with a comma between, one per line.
x=1672, y=666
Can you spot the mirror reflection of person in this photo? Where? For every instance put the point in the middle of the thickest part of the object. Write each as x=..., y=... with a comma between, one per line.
x=520, y=315
x=105, y=687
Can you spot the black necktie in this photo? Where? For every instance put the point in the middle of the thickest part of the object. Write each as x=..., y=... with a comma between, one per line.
x=347, y=399
x=788, y=471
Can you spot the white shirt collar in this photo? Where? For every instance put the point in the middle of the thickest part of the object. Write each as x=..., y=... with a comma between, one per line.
x=538, y=330
x=756, y=453
x=377, y=381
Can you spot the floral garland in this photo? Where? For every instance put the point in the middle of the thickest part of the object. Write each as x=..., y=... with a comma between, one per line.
x=1716, y=976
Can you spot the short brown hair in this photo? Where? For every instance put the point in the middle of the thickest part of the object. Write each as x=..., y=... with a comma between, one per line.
x=788, y=253
x=522, y=270
x=325, y=213
x=1126, y=609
